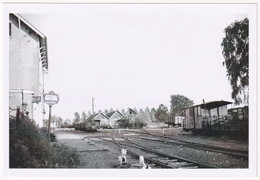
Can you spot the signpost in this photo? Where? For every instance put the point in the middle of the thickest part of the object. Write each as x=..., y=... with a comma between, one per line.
x=51, y=98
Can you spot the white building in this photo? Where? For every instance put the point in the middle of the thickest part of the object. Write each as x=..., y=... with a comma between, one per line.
x=113, y=118
x=28, y=62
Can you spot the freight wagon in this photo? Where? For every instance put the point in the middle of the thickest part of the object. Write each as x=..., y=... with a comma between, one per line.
x=215, y=117
x=204, y=115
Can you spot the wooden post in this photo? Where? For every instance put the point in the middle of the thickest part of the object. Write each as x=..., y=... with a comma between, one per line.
x=218, y=121
x=49, y=123
x=17, y=116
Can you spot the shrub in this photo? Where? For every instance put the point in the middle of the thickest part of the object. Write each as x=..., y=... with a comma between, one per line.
x=53, y=137
x=126, y=123
x=30, y=148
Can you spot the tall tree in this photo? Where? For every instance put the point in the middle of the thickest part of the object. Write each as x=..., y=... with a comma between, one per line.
x=106, y=111
x=141, y=110
x=54, y=118
x=83, y=116
x=152, y=114
x=111, y=110
x=161, y=113
x=147, y=110
x=179, y=102
x=153, y=110
x=123, y=111
x=59, y=122
x=235, y=47
x=77, y=118
x=89, y=114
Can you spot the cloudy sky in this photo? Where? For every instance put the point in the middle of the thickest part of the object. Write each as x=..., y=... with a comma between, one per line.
x=132, y=55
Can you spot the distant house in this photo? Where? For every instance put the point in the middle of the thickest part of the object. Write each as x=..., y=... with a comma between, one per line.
x=131, y=114
x=113, y=117
x=28, y=63
x=101, y=118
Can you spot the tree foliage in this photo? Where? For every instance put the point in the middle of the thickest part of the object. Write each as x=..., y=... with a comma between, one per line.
x=77, y=118
x=161, y=113
x=83, y=116
x=235, y=47
x=179, y=102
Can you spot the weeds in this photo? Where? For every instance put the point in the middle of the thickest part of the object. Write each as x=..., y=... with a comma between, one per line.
x=30, y=148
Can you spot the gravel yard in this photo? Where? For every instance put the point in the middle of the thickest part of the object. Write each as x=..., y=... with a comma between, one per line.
x=92, y=154
x=95, y=153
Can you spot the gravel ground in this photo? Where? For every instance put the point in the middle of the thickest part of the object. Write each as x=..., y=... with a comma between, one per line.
x=201, y=156
x=223, y=141
x=95, y=153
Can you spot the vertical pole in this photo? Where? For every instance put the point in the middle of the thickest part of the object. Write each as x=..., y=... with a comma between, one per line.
x=194, y=117
x=218, y=120
x=17, y=116
x=49, y=123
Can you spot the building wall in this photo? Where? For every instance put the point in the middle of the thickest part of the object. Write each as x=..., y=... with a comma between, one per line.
x=103, y=120
x=24, y=68
x=113, y=119
x=16, y=98
x=23, y=60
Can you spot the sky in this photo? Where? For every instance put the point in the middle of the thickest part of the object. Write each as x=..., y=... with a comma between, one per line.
x=134, y=55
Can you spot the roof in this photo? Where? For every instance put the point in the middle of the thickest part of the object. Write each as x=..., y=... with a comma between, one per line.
x=129, y=109
x=30, y=25
x=111, y=114
x=43, y=40
x=212, y=104
x=93, y=116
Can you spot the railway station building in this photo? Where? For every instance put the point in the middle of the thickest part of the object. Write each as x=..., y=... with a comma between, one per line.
x=28, y=64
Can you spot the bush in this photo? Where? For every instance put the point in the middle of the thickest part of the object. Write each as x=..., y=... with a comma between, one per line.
x=30, y=148
x=126, y=123
x=53, y=137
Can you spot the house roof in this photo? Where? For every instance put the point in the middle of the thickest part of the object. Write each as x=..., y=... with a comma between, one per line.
x=93, y=116
x=43, y=40
x=129, y=109
x=111, y=113
x=212, y=104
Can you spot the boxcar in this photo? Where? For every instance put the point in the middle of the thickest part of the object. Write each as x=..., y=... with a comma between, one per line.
x=204, y=115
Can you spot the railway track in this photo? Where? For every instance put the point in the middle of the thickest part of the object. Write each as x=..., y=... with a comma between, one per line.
x=171, y=140
x=160, y=160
